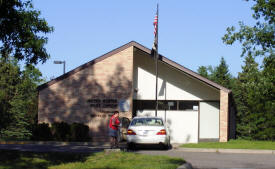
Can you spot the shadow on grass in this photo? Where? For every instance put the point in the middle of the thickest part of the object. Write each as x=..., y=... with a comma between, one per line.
x=12, y=159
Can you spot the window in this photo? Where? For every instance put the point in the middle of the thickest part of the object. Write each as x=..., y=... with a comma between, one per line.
x=144, y=104
x=188, y=105
x=165, y=105
x=147, y=122
x=162, y=105
x=150, y=105
x=172, y=105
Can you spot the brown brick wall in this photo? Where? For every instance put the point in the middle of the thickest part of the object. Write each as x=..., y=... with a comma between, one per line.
x=223, y=116
x=67, y=99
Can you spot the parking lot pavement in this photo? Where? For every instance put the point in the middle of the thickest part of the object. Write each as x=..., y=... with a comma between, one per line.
x=203, y=160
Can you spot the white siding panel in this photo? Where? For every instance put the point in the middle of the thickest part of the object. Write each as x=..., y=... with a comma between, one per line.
x=183, y=125
x=172, y=84
x=209, y=120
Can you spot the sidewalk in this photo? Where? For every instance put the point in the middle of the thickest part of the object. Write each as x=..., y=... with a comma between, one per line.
x=53, y=146
x=56, y=143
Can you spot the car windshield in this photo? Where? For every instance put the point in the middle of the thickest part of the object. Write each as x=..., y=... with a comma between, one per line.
x=147, y=122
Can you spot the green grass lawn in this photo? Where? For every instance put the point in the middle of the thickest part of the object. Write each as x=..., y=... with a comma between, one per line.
x=235, y=144
x=10, y=159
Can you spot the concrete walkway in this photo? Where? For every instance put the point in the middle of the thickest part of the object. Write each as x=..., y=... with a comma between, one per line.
x=56, y=143
x=51, y=146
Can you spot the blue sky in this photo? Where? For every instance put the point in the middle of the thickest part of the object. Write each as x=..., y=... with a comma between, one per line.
x=190, y=32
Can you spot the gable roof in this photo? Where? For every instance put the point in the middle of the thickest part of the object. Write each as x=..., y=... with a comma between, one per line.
x=144, y=49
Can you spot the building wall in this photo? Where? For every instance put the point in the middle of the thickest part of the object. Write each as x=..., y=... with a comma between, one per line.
x=68, y=99
x=175, y=85
x=126, y=75
x=224, y=116
x=209, y=121
x=172, y=84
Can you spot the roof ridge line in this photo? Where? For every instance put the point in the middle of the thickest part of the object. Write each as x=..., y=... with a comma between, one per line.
x=143, y=48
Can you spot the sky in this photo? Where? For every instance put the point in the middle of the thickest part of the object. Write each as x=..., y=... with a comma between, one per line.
x=190, y=32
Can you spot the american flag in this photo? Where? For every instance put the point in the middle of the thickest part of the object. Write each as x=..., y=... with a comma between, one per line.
x=155, y=23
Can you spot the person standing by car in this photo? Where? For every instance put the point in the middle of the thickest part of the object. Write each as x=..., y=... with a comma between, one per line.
x=113, y=129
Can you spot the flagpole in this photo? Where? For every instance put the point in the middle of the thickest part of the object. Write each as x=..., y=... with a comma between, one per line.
x=156, y=61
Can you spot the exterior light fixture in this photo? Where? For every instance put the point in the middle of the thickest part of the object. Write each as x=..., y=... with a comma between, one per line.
x=61, y=62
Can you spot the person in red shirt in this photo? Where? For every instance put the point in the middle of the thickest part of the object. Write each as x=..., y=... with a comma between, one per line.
x=113, y=129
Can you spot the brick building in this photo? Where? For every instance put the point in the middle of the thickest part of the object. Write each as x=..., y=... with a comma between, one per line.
x=195, y=108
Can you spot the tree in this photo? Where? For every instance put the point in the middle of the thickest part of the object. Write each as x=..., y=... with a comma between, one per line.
x=255, y=90
x=18, y=97
x=203, y=71
x=245, y=92
x=266, y=100
x=257, y=40
x=22, y=30
x=22, y=37
x=219, y=74
x=9, y=77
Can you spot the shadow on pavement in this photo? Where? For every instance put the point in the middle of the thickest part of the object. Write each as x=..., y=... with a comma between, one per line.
x=53, y=148
x=149, y=147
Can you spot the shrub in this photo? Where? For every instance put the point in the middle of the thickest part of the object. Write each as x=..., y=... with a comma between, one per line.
x=79, y=132
x=42, y=132
x=61, y=131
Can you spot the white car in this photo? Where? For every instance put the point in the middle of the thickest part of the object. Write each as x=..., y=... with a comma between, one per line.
x=148, y=130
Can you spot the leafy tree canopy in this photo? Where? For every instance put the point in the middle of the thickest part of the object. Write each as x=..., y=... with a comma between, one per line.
x=18, y=99
x=245, y=91
x=253, y=89
x=22, y=31
x=260, y=38
x=219, y=74
x=203, y=71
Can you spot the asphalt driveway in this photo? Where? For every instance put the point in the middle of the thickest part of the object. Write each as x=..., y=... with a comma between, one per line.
x=212, y=160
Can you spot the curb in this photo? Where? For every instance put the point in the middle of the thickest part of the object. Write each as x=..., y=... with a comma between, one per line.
x=185, y=166
x=239, y=151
